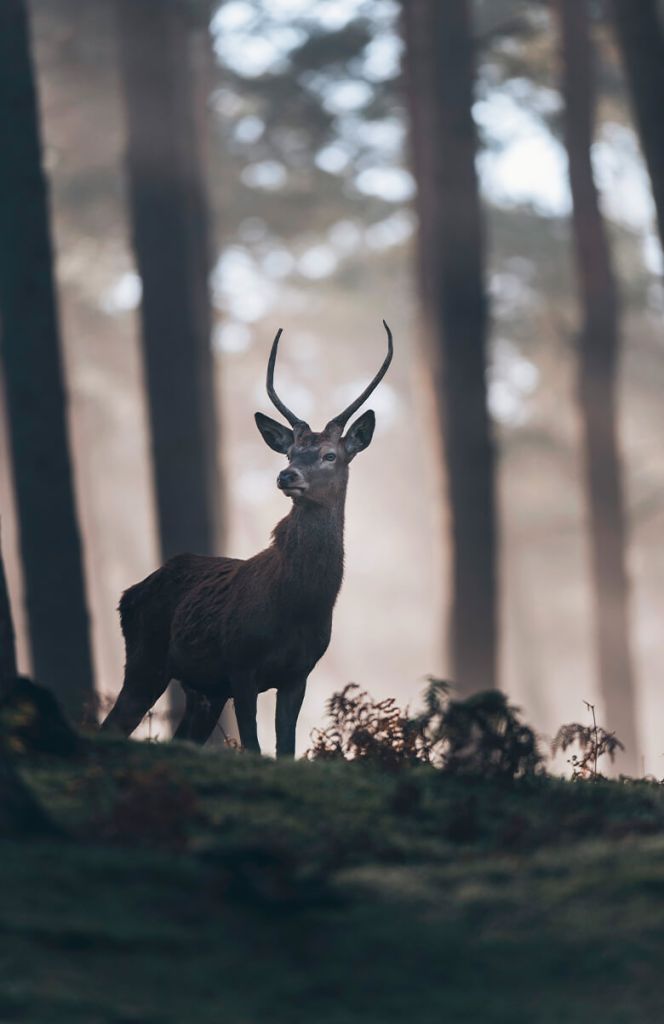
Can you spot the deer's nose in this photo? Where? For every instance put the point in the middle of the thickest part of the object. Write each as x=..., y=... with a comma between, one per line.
x=287, y=478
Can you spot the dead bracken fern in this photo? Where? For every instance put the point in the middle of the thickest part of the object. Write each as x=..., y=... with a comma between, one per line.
x=364, y=729
x=479, y=736
x=593, y=742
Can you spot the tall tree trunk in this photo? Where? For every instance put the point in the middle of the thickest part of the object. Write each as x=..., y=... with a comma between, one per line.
x=169, y=220
x=641, y=40
x=49, y=536
x=599, y=350
x=169, y=225
x=8, y=668
x=439, y=74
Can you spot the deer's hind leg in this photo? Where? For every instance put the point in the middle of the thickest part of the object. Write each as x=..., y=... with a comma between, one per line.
x=146, y=678
x=145, y=625
x=200, y=716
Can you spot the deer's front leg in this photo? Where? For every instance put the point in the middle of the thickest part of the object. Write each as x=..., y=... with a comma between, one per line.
x=289, y=702
x=245, y=712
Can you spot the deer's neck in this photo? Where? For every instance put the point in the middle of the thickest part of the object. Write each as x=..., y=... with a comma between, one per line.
x=310, y=543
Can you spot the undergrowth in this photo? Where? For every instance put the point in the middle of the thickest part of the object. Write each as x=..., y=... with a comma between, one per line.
x=377, y=879
x=593, y=742
x=481, y=736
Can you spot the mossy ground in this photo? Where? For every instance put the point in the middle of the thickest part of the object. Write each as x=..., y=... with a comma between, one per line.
x=201, y=886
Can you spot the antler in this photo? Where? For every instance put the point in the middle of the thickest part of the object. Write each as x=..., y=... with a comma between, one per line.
x=344, y=416
x=274, y=398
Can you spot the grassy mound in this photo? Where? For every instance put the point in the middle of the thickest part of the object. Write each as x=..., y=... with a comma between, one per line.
x=202, y=886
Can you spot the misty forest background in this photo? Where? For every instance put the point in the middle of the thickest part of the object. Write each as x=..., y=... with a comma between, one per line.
x=178, y=179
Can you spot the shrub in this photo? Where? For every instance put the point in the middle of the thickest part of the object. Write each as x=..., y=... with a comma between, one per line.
x=482, y=735
x=363, y=729
x=31, y=721
x=593, y=742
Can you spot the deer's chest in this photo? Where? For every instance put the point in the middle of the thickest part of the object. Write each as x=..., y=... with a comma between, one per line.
x=293, y=651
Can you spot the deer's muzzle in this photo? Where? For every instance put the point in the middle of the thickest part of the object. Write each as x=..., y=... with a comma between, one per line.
x=291, y=482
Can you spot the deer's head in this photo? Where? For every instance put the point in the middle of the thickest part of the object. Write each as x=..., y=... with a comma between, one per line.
x=318, y=462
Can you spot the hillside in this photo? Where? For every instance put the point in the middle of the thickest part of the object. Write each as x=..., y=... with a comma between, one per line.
x=205, y=885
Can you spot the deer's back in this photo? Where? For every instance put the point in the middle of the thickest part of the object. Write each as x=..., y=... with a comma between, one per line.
x=148, y=609
x=244, y=616
x=218, y=616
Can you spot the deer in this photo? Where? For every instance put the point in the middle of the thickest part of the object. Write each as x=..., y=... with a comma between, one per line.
x=229, y=628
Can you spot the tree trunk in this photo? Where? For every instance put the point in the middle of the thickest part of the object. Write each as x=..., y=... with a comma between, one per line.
x=641, y=40
x=49, y=536
x=599, y=349
x=439, y=74
x=8, y=670
x=169, y=225
x=168, y=208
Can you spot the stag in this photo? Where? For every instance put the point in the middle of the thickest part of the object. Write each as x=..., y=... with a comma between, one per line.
x=233, y=628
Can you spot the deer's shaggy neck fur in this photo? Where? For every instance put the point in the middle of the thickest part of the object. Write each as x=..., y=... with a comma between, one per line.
x=310, y=545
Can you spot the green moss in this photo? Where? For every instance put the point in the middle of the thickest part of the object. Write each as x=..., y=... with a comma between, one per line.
x=328, y=892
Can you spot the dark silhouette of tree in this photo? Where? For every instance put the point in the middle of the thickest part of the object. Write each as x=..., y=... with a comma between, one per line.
x=49, y=536
x=599, y=351
x=439, y=75
x=641, y=40
x=8, y=668
x=169, y=226
x=169, y=220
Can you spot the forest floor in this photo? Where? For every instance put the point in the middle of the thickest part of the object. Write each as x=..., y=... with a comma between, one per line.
x=200, y=886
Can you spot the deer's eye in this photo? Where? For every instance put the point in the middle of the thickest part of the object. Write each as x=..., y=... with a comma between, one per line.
x=330, y=457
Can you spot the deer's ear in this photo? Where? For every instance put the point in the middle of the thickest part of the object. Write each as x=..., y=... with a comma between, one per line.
x=276, y=435
x=359, y=434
